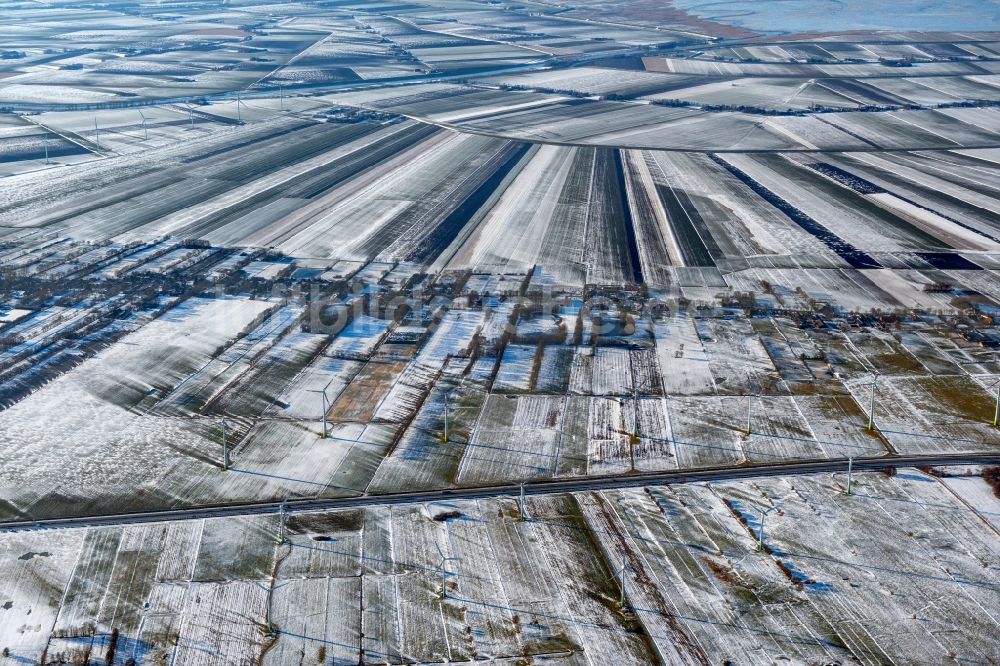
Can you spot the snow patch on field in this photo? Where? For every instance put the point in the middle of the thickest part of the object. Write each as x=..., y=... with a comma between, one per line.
x=84, y=430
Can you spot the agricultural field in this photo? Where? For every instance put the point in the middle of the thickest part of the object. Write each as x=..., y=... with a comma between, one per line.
x=452, y=331
x=249, y=396
x=669, y=574
x=344, y=194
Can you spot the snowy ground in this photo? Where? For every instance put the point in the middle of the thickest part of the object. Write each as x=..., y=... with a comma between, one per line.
x=469, y=580
x=439, y=401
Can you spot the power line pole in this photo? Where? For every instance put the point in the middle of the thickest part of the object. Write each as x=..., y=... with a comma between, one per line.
x=850, y=469
x=97, y=133
x=225, y=446
x=520, y=504
x=749, y=414
x=621, y=581
x=282, y=515
x=446, y=417
x=670, y=423
x=326, y=408
x=635, y=413
x=996, y=409
x=871, y=405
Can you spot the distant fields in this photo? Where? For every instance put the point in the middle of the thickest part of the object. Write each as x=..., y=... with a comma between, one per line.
x=408, y=192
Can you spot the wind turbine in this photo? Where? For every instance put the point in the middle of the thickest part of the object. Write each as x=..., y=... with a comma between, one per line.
x=447, y=406
x=270, y=592
x=871, y=404
x=670, y=424
x=621, y=580
x=996, y=388
x=444, y=572
x=760, y=531
x=763, y=386
x=326, y=406
x=145, y=132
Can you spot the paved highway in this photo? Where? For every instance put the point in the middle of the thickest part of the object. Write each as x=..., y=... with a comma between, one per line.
x=575, y=484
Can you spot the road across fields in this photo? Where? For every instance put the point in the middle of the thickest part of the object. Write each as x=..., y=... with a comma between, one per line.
x=575, y=484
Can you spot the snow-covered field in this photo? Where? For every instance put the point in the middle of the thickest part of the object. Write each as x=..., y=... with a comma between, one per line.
x=453, y=402
x=84, y=431
x=466, y=580
x=235, y=267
